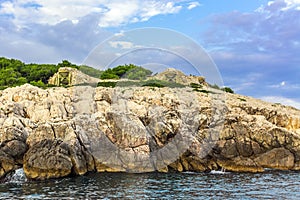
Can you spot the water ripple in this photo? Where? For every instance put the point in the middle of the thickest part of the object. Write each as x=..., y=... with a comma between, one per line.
x=269, y=185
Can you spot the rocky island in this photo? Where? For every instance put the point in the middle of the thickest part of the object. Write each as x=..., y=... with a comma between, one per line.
x=65, y=131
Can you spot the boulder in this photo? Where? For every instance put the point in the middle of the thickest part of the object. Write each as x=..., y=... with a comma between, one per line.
x=278, y=158
x=12, y=148
x=48, y=159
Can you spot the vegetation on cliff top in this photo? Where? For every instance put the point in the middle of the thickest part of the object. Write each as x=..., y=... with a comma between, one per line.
x=130, y=71
x=141, y=83
x=14, y=72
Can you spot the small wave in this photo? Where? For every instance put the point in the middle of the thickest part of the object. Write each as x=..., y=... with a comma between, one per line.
x=190, y=172
x=17, y=177
x=222, y=171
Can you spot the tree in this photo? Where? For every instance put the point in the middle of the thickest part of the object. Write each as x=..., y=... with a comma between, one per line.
x=66, y=63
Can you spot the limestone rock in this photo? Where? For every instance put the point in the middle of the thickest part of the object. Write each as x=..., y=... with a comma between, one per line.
x=12, y=148
x=48, y=159
x=278, y=158
x=240, y=164
x=64, y=131
x=173, y=75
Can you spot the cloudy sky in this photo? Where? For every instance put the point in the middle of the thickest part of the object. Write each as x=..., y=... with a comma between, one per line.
x=254, y=43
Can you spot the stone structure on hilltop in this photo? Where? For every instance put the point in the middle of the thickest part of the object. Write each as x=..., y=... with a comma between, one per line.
x=67, y=76
x=70, y=131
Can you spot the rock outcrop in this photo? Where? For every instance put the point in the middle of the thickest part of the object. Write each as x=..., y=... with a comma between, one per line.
x=173, y=75
x=70, y=131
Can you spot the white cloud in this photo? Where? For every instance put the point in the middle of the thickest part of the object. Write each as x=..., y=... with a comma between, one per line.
x=193, y=5
x=282, y=100
x=48, y=12
x=285, y=4
x=123, y=45
x=284, y=85
x=111, y=13
x=135, y=11
x=292, y=4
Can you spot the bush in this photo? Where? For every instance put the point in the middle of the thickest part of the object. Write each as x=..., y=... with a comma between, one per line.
x=107, y=84
x=66, y=63
x=39, y=84
x=108, y=74
x=196, y=85
x=153, y=84
x=148, y=83
x=161, y=83
x=131, y=71
x=241, y=99
x=90, y=71
x=203, y=91
x=228, y=89
x=137, y=73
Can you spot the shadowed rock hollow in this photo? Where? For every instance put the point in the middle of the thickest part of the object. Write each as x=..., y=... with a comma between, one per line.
x=70, y=131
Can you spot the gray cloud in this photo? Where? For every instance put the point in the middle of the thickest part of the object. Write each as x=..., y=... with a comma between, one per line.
x=51, y=43
x=265, y=42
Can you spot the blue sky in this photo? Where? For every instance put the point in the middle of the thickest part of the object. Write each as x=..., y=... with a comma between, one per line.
x=254, y=43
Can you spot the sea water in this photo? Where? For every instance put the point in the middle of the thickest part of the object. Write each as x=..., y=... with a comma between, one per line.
x=215, y=185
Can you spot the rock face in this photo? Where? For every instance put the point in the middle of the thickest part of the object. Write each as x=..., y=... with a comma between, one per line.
x=173, y=75
x=70, y=131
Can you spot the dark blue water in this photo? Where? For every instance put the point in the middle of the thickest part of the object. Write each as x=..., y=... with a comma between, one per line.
x=269, y=185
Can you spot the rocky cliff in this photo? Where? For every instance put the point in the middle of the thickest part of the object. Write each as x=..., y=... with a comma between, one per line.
x=70, y=131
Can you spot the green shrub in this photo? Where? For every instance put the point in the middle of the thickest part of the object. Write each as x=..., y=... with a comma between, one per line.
x=90, y=71
x=228, y=89
x=108, y=74
x=3, y=87
x=203, y=91
x=161, y=83
x=153, y=84
x=66, y=63
x=128, y=83
x=196, y=85
x=130, y=71
x=241, y=99
x=39, y=84
x=107, y=84
x=137, y=73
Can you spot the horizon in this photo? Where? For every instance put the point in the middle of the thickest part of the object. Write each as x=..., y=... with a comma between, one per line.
x=254, y=43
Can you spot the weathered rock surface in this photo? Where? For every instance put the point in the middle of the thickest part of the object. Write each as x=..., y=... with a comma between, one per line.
x=173, y=75
x=69, y=131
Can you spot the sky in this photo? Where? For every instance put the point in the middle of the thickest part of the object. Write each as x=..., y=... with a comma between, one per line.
x=255, y=44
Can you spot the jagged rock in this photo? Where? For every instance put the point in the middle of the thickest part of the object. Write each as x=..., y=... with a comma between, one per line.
x=41, y=132
x=279, y=158
x=173, y=75
x=12, y=148
x=7, y=164
x=64, y=131
x=240, y=164
x=48, y=159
